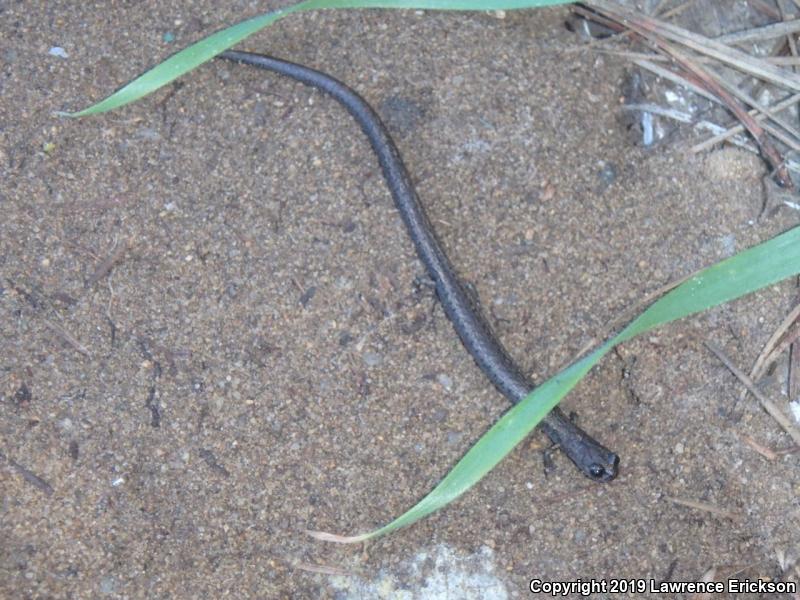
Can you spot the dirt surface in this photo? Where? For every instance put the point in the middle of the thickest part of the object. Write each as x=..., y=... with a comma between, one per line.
x=263, y=355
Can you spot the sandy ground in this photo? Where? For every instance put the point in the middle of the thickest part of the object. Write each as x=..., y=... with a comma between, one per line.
x=265, y=356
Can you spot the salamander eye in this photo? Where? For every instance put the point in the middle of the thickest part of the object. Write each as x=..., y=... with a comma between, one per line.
x=596, y=471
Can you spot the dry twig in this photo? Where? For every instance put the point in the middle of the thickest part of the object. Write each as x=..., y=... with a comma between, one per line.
x=704, y=506
x=730, y=56
x=760, y=448
x=107, y=264
x=68, y=337
x=736, y=129
x=775, y=412
x=657, y=32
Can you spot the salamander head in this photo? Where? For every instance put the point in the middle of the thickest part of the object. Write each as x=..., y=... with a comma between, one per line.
x=605, y=470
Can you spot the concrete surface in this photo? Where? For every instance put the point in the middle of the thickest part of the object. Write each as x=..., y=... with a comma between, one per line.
x=264, y=356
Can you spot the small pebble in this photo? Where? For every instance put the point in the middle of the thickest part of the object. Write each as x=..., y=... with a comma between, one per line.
x=728, y=243
x=439, y=415
x=147, y=133
x=794, y=406
x=453, y=438
x=343, y=283
x=108, y=585
x=58, y=51
x=548, y=192
x=607, y=173
x=308, y=295
x=372, y=359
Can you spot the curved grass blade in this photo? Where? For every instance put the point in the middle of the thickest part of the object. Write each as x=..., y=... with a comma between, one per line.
x=195, y=55
x=727, y=280
x=179, y=63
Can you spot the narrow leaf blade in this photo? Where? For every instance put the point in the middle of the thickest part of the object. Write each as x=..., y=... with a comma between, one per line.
x=727, y=280
x=179, y=63
x=195, y=55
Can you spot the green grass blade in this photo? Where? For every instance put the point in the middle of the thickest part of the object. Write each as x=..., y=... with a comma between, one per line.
x=489, y=450
x=465, y=5
x=729, y=279
x=180, y=63
x=737, y=276
x=193, y=56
